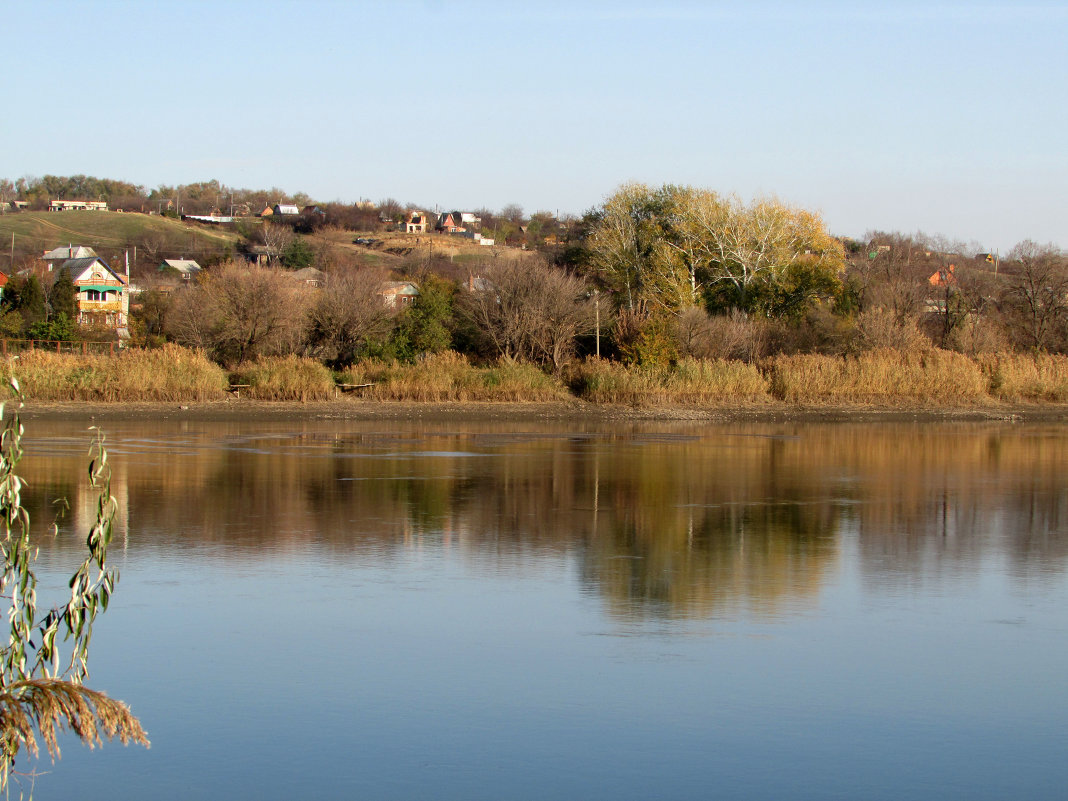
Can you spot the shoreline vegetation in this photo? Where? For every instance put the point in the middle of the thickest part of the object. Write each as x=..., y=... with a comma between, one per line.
x=931, y=382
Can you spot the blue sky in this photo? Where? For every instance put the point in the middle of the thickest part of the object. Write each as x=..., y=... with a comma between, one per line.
x=946, y=118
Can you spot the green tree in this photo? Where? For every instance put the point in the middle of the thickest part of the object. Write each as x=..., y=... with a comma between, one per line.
x=59, y=329
x=62, y=296
x=26, y=296
x=298, y=254
x=41, y=690
x=425, y=325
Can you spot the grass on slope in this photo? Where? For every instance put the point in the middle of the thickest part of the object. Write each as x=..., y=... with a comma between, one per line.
x=37, y=231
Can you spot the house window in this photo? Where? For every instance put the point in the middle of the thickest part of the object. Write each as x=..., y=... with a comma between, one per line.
x=93, y=294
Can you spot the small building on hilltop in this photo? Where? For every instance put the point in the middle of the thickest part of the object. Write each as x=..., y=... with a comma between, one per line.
x=77, y=205
x=943, y=277
x=286, y=209
x=457, y=222
x=417, y=223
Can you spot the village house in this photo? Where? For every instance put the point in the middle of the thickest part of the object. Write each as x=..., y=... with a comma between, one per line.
x=398, y=294
x=77, y=205
x=102, y=297
x=285, y=209
x=60, y=255
x=417, y=222
x=457, y=222
x=944, y=277
x=187, y=268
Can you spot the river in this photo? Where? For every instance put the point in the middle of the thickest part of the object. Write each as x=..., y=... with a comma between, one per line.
x=563, y=610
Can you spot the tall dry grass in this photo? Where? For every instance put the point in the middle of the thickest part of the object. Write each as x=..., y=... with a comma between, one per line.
x=449, y=377
x=690, y=382
x=170, y=373
x=1035, y=378
x=882, y=376
x=285, y=378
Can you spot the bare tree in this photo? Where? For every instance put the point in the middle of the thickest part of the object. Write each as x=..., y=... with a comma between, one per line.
x=894, y=277
x=276, y=238
x=347, y=314
x=513, y=212
x=1037, y=295
x=239, y=313
x=526, y=309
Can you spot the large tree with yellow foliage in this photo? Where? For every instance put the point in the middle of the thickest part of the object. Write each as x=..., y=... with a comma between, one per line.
x=671, y=247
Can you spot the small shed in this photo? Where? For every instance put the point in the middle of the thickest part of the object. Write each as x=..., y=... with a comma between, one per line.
x=310, y=276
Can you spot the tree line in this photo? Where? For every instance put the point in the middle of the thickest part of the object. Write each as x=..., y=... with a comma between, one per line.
x=650, y=276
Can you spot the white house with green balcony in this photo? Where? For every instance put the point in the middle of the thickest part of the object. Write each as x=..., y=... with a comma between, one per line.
x=103, y=296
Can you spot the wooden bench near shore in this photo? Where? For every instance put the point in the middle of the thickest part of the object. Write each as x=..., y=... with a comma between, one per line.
x=236, y=389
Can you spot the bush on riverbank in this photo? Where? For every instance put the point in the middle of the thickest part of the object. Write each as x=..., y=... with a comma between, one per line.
x=449, y=377
x=170, y=373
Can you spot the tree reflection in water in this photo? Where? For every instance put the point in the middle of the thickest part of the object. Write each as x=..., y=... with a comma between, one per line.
x=677, y=520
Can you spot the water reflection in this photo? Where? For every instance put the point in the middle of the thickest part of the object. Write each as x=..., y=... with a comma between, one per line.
x=671, y=520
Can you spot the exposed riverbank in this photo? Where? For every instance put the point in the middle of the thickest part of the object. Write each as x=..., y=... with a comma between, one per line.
x=356, y=409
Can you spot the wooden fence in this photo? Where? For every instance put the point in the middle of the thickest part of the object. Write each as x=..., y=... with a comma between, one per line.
x=12, y=346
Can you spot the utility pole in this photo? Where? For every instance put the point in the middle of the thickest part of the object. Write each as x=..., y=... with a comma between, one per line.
x=597, y=312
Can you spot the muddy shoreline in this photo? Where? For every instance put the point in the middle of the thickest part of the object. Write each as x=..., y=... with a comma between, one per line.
x=562, y=410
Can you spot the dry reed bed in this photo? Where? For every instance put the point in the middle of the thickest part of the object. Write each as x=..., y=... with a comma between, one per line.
x=1020, y=377
x=170, y=373
x=285, y=378
x=449, y=377
x=882, y=377
x=690, y=382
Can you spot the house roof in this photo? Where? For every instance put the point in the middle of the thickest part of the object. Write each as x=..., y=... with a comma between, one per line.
x=399, y=288
x=309, y=274
x=184, y=266
x=69, y=252
x=78, y=267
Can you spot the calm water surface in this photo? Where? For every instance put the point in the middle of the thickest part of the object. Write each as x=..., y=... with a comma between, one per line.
x=336, y=609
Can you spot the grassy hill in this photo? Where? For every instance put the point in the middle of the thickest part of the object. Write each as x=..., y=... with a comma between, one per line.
x=111, y=234
x=150, y=238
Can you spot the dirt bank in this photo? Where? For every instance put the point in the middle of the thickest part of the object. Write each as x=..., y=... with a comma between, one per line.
x=346, y=409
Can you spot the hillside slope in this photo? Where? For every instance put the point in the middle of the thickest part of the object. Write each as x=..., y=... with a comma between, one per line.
x=111, y=234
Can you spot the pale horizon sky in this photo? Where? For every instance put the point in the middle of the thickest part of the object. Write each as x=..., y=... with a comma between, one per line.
x=945, y=118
